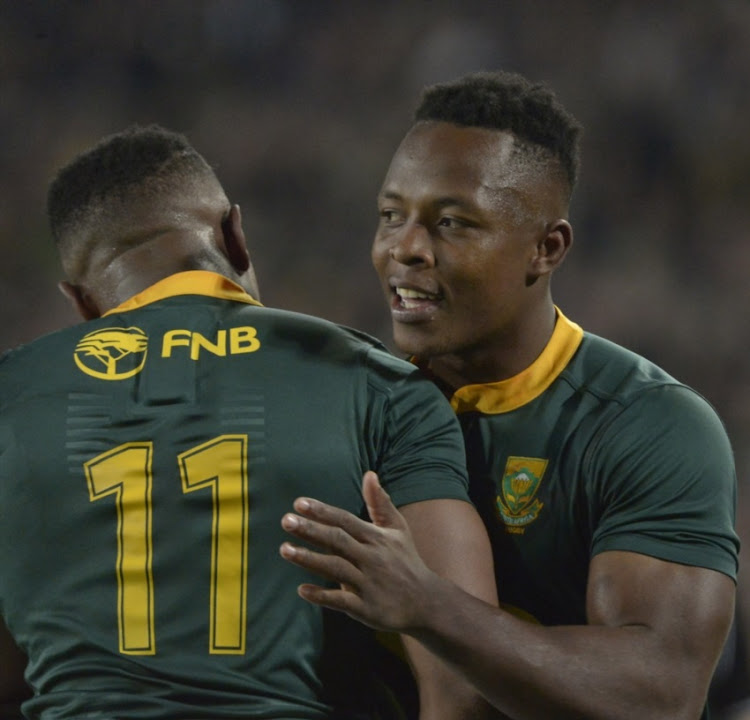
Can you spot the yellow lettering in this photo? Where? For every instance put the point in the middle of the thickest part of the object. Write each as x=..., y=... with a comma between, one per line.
x=174, y=338
x=217, y=348
x=243, y=340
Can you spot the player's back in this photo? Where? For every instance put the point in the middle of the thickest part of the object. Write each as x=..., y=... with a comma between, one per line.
x=146, y=459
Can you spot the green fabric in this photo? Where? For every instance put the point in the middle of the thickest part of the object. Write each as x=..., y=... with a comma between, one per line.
x=307, y=411
x=634, y=461
x=613, y=455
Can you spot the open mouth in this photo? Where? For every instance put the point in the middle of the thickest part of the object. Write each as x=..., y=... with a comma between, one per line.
x=410, y=301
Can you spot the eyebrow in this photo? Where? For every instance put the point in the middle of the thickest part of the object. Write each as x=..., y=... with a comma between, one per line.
x=440, y=202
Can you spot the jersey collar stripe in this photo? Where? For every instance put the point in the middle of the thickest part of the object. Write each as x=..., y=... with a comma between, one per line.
x=191, y=282
x=507, y=395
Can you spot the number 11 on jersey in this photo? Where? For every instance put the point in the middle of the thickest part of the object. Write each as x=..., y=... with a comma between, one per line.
x=218, y=466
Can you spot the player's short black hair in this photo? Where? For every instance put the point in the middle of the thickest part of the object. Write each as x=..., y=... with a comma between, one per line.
x=503, y=100
x=137, y=159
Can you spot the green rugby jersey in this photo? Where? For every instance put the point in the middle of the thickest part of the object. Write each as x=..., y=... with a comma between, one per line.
x=594, y=448
x=146, y=460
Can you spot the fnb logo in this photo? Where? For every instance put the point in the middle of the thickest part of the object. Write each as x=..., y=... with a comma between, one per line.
x=234, y=341
x=120, y=353
x=112, y=353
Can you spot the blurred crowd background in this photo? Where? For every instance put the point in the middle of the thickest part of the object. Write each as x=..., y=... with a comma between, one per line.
x=299, y=105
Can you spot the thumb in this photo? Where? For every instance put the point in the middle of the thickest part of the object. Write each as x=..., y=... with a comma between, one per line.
x=383, y=512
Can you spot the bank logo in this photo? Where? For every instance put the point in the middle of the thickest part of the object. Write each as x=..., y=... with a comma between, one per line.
x=112, y=353
x=518, y=505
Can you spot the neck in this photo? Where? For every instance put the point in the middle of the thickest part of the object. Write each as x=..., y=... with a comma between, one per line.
x=133, y=271
x=496, y=359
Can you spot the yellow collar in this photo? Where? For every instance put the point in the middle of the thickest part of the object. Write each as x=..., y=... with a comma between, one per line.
x=191, y=282
x=506, y=395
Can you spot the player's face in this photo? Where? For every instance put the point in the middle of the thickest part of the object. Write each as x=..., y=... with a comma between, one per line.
x=459, y=223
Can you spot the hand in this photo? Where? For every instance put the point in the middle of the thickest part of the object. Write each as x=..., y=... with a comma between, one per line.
x=382, y=579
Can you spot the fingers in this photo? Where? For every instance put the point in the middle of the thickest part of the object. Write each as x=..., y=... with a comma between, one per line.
x=330, y=538
x=339, y=521
x=328, y=597
x=330, y=567
x=382, y=511
x=342, y=600
x=366, y=560
x=339, y=532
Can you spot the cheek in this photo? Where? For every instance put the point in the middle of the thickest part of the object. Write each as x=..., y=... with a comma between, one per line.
x=495, y=271
x=376, y=254
x=379, y=257
x=477, y=277
x=485, y=292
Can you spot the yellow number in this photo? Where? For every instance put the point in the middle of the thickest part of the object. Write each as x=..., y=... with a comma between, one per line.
x=214, y=465
x=221, y=466
x=125, y=472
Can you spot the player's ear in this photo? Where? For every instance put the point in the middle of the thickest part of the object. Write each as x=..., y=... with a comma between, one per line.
x=235, y=244
x=235, y=247
x=80, y=300
x=550, y=250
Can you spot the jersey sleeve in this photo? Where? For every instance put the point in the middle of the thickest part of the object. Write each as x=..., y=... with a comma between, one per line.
x=421, y=451
x=666, y=483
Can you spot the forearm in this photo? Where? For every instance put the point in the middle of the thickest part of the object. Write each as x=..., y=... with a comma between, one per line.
x=444, y=694
x=532, y=672
x=654, y=634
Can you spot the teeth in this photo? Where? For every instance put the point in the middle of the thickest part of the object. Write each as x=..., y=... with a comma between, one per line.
x=412, y=299
x=407, y=293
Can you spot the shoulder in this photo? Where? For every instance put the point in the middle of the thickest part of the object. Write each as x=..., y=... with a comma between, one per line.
x=614, y=373
x=648, y=428
x=632, y=410
x=641, y=389
x=342, y=351
x=300, y=328
x=340, y=341
x=43, y=349
x=659, y=460
x=30, y=366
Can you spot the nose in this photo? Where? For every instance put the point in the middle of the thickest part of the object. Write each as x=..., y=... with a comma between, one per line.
x=412, y=245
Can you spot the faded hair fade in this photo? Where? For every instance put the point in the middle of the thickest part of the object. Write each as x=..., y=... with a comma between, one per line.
x=127, y=164
x=507, y=101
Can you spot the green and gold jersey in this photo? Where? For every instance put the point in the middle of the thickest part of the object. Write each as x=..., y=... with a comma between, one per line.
x=146, y=460
x=594, y=448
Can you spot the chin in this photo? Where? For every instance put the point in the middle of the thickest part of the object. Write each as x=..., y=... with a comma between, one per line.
x=414, y=344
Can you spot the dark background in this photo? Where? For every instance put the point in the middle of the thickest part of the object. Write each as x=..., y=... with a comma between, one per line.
x=299, y=105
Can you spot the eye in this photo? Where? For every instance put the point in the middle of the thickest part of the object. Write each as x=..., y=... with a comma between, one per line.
x=451, y=222
x=389, y=215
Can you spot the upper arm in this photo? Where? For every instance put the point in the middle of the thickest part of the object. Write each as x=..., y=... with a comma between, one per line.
x=665, y=482
x=452, y=540
x=683, y=611
x=665, y=547
x=12, y=666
